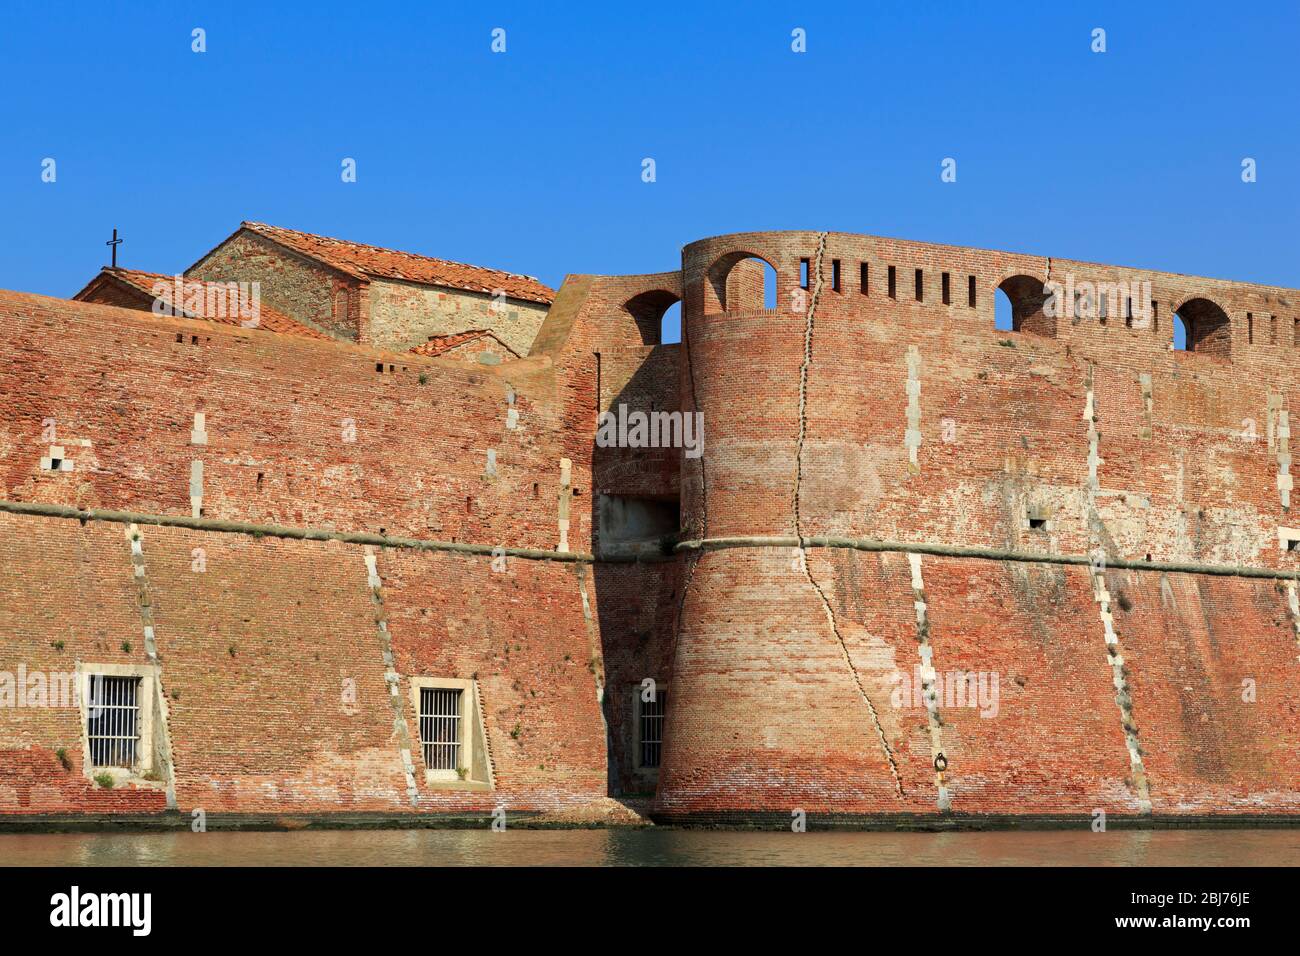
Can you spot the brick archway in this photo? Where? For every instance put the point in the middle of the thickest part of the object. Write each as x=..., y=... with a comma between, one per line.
x=1028, y=296
x=647, y=310
x=1208, y=327
x=736, y=282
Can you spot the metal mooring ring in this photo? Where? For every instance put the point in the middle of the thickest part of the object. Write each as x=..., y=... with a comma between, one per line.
x=940, y=762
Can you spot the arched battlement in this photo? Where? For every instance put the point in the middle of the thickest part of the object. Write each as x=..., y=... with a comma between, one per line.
x=735, y=282
x=647, y=311
x=1033, y=310
x=715, y=279
x=1110, y=310
x=593, y=312
x=1208, y=330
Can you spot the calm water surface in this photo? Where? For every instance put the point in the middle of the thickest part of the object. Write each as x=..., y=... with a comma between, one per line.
x=655, y=847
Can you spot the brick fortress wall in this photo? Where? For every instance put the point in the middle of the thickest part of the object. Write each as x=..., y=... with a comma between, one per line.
x=969, y=475
x=271, y=658
x=862, y=415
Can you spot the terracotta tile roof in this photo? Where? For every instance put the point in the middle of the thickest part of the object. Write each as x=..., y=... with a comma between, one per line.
x=364, y=262
x=268, y=318
x=438, y=344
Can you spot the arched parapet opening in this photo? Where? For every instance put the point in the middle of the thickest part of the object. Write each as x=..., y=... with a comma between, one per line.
x=1202, y=326
x=739, y=282
x=1025, y=304
x=649, y=310
x=591, y=313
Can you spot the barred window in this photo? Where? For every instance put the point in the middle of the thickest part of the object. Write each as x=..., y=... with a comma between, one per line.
x=440, y=728
x=652, y=728
x=113, y=720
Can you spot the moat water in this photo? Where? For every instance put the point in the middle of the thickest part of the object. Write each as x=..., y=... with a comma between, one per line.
x=656, y=847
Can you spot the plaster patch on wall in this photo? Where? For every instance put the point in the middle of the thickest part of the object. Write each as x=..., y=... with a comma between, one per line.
x=925, y=650
x=162, y=730
x=1148, y=403
x=1293, y=604
x=400, y=729
x=1279, y=439
x=912, y=436
x=1091, y=484
x=1123, y=696
x=196, y=488
x=199, y=435
x=566, y=480
x=56, y=460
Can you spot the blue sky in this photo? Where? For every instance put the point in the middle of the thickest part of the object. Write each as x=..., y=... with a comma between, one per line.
x=531, y=160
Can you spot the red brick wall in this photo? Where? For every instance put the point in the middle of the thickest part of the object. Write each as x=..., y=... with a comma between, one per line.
x=297, y=615
x=767, y=713
x=1123, y=445
x=273, y=669
x=522, y=634
x=1001, y=414
x=66, y=595
x=277, y=407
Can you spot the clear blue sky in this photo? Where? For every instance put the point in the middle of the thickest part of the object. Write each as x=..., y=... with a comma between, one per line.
x=531, y=160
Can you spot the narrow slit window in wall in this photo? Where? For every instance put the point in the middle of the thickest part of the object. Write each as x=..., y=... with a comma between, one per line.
x=651, y=728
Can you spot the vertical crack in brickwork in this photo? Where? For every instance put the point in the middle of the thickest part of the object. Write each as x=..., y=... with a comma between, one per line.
x=597, y=658
x=925, y=650
x=163, y=734
x=695, y=407
x=391, y=677
x=818, y=283
x=692, y=559
x=1097, y=539
x=1123, y=695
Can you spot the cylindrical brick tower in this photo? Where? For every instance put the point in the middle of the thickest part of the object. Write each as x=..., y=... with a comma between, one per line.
x=780, y=699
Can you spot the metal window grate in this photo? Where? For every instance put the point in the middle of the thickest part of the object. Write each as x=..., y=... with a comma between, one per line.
x=440, y=728
x=652, y=728
x=113, y=720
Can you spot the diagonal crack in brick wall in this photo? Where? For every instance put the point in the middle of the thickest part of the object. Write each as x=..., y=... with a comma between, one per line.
x=818, y=283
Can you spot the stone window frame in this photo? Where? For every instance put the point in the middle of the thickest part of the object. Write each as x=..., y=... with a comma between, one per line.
x=148, y=767
x=474, y=750
x=1037, y=513
x=652, y=773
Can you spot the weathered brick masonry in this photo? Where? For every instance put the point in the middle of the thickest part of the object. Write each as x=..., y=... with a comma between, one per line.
x=292, y=531
x=903, y=415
